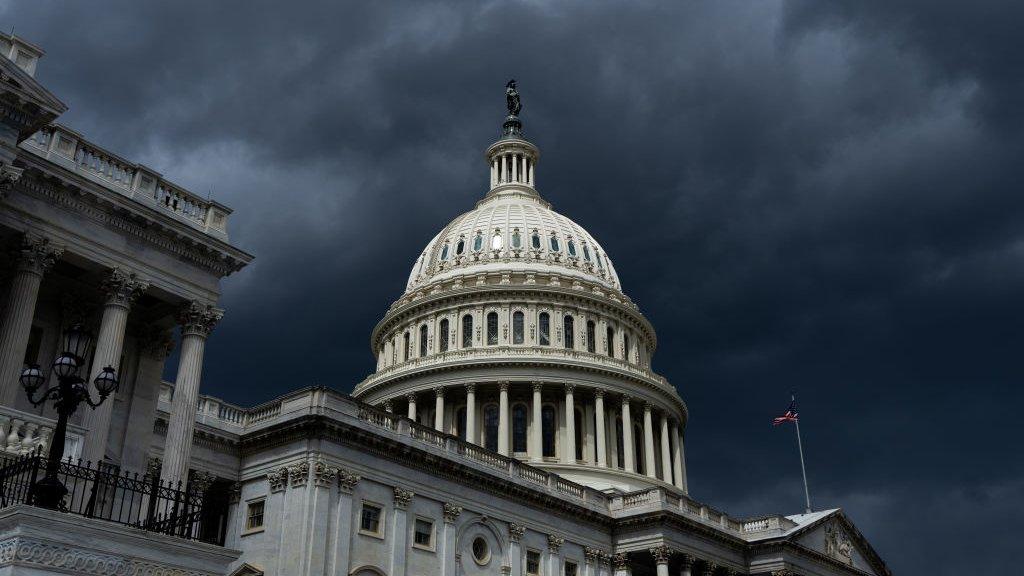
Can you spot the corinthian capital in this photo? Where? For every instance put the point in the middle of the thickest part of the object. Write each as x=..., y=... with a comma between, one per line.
x=198, y=318
x=37, y=254
x=123, y=287
x=661, y=554
x=8, y=176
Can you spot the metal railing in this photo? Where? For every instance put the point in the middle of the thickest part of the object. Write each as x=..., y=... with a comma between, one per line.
x=141, y=501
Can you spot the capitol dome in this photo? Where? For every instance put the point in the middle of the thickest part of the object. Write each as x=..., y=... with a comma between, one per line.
x=513, y=334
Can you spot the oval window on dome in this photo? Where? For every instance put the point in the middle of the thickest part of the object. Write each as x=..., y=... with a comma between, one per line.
x=460, y=247
x=478, y=242
x=535, y=240
x=555, y=246
x=571, y=247
x=517, y=239
x=444, y=252
x=586, y=253
x=496, y=240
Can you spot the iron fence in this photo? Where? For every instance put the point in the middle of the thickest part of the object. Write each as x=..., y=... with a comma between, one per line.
x=141, y=501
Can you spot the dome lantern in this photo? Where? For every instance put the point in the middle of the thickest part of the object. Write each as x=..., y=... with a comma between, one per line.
x=512, y=158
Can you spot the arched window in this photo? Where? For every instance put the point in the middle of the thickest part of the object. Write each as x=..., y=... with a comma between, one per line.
x=571, y=247
x=423, y=340
x=545, y=329
x=610, y=344
x=496, y=240
x=460, y=422
x=590, y=336
x=625, y=346
x=467, y=331
x=460, y=247
x=478, y=242
x=444, y=252
x=492, y=328
x=519, y=428
x=620, y=446
x=586, y=253
x=491, y=427
x=535, y=240
x=547, y=417
x=405, y=347
x=555, y=246
x=517, y=328
x=638, y=448
x=578, y=429
x=569, y=338
x=517, y=239
x=600, y=264
x=442, y=337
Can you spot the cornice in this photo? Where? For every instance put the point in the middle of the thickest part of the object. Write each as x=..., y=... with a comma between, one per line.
x=669, y=519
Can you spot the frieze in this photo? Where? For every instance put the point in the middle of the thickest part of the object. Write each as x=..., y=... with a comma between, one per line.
x=49, y=557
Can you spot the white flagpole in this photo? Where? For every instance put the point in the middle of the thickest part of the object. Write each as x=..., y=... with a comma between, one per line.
x=803, y=469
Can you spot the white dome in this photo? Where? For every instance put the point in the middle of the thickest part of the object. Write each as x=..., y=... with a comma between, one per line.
x=513, y=232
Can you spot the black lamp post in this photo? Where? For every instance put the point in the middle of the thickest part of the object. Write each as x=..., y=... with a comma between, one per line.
x=70, y=391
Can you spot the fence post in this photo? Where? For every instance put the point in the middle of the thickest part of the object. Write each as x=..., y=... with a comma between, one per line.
x=35, y=459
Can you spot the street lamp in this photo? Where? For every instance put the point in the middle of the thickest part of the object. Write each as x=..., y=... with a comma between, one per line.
x=70, y=391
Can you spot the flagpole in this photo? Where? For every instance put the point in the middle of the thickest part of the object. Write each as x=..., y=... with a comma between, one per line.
x=803, y=469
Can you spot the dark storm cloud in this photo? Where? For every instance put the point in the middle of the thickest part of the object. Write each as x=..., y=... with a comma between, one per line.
x=811, y=195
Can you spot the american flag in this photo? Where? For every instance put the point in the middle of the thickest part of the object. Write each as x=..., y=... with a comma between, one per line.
x=789, y=416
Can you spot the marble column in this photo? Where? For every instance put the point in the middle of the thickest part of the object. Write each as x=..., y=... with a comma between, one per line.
x=121, y=288
x=451, y=512
x=649, y=467
x=399, y=534
x=154, y=345
x=661, y=554
x=686, y=566
x=627, y=436
x=411, y=412
x=439, y=409
x=569, y=454
x=197, y=321
x=666, y=451
x=537, y=447
x=36, y=255
x=681, y=463
x=620, y=564
x=340, y=550
x=471, y=413
x=503, y=419
x=602, y=456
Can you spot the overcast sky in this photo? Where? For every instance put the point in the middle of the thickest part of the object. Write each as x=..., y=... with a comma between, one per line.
x=812, y=195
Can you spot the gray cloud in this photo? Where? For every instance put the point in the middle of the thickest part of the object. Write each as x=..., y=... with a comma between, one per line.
x=806, y=195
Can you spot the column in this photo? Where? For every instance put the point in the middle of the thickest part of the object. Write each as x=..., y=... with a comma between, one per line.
x=197, y=321
x=666, y=454
x=411, y=412
x=537, y=447
x=661, y=554
x=154, y=345
x=398, y=531
x=503, y=418
x=569, y=454
x=515, y=536
x=686, y=566
x=620, y=564
x=554, y=553
x=602, y=455
x=681, y=463
x=503, y=177
x=627, y=436
x=121, y=288
x=451, y=513
x=439, y=409
x=471, y=413
x=649, y=467
x=36, y=255
x=340, y=551
x=514, y=160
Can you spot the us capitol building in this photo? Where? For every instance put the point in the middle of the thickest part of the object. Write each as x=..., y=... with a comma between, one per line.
x=513, y=425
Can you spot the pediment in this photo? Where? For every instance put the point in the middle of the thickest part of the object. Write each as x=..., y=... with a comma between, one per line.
x=247, y=569
x=837, y=538
x=19, y=87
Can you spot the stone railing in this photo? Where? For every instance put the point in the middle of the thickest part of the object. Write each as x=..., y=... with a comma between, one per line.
x=21, y=433
x=70, y=150
x=553, y=354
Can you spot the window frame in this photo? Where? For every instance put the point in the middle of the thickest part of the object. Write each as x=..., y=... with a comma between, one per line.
x=424, y=339
x=381, y=518
x=262, y=500
x=492, y=315
x=442, y=339
x=575, y=565
x=467, y=321
x=526, y=562
x=518, y=327
x=432, y=547
x=544, y=328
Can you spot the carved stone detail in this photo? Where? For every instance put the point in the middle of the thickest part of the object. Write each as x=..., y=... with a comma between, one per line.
x=402, y=498
x=709, y=568
x=686, y=560
x=620, y=561
x=661, y=554
x=235, y=493
x=198, y=318
x=592, y=555
x=123, y=287
x=8, y=176
x=837, y=543
x=347, y=481
x=52, y=558
x=451, y=512
x=516, y=531
x=555, y=543
x=323, y=475
x=299, y=474
x=278, y=479
x=37, y=254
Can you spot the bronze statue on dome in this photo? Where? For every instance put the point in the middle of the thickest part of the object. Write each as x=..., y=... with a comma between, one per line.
x=512, y=98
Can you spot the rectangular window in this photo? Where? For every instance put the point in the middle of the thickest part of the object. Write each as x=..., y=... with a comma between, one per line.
x=571, y=568
x=545, y=329
x=492, y=328
x=467, y=331
x=517, y=328
x=254, y=515
x=370, y=520
x=423, y=534
x=533, y=563
x=590, y=337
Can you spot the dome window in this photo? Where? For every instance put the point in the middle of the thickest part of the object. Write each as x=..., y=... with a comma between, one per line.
x=517, y=239
x=600, y=264
x=545, y=329
x=460, y=247
x=586, y=253
x=467, y=331
x=571, y=247
x=444, y=252
x=555, y=246
x=492, y=328
x=496, y=241
x=478, y=242
x=517, y=327
x=535, y=240
x=442, y=337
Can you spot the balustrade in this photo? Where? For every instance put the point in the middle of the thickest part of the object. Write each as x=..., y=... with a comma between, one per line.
x=23, y=433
